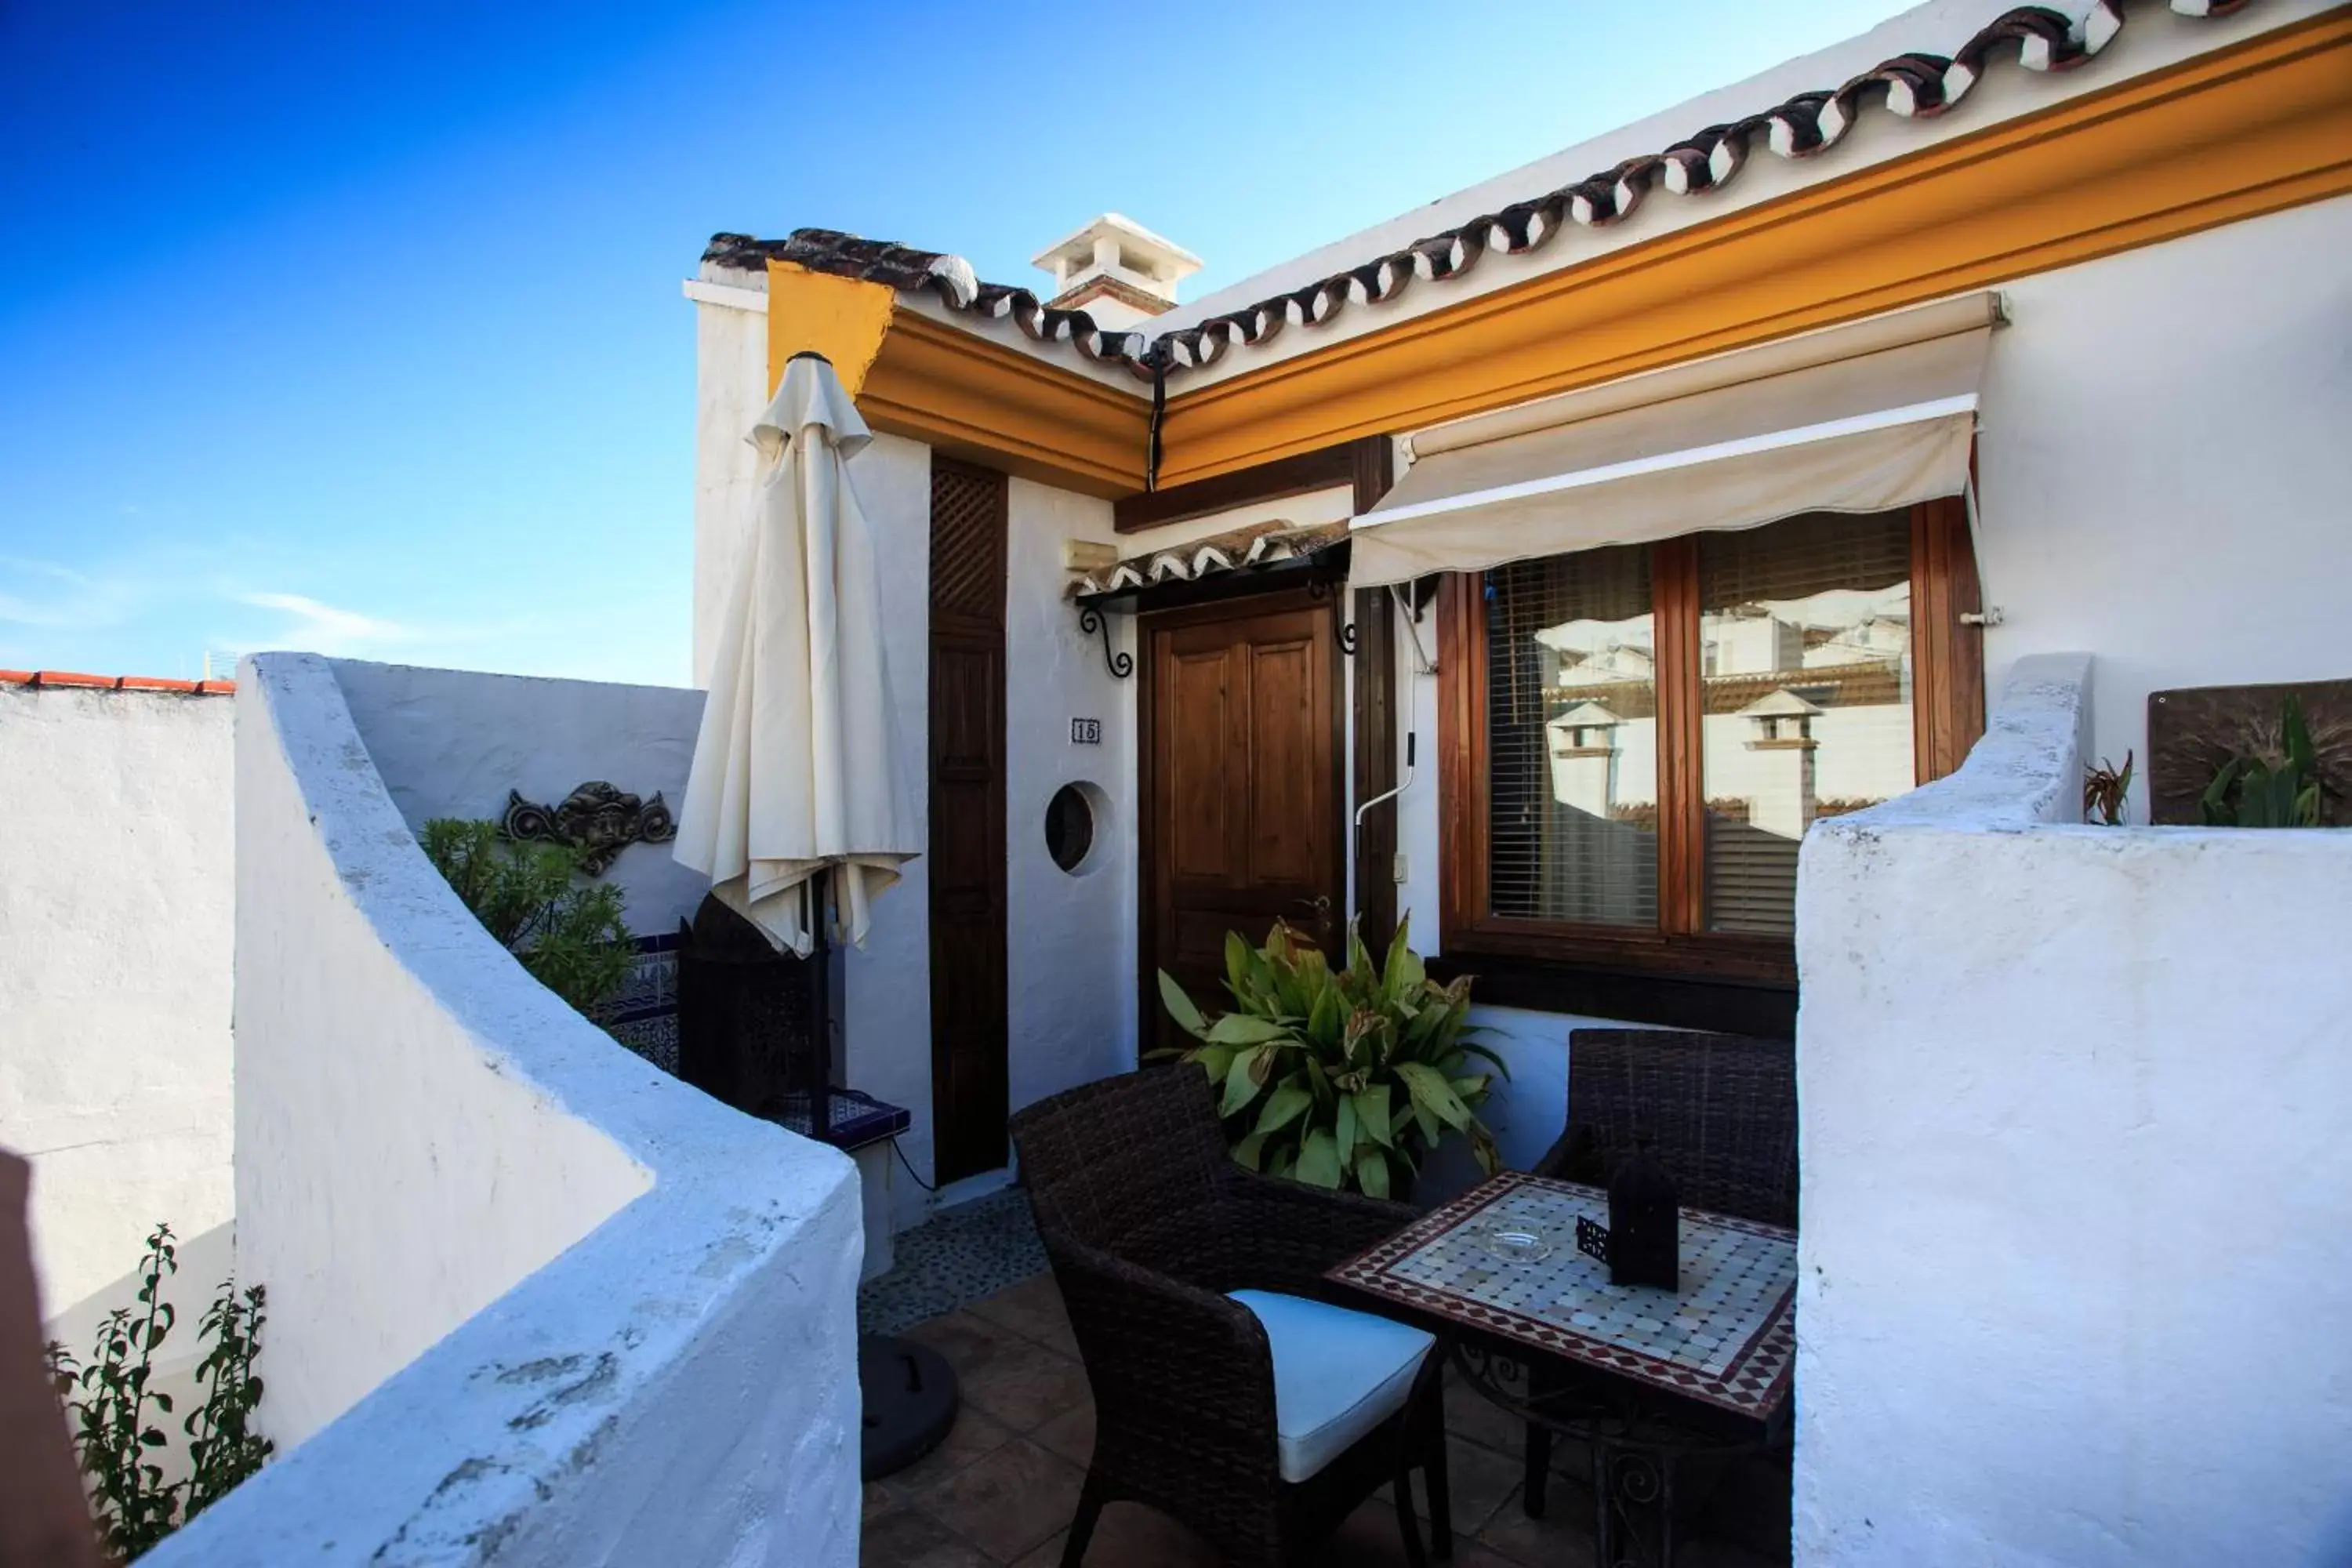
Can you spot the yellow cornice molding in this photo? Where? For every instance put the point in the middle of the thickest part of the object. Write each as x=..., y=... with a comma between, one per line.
x=844, y=318
x=997, y=405
x=2253, y=129
x=915, y=376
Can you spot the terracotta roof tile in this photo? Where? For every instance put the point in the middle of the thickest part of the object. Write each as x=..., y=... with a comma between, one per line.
x=1907, y=86
x=75, y=680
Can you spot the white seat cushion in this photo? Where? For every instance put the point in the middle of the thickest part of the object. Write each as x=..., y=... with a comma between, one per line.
x=1337, y=1374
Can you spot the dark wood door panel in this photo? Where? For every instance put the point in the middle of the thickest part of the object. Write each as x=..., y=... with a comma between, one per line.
x=1242, y=787
x=967, y=871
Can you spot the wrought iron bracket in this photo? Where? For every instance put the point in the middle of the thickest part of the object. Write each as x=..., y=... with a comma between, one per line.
x=596, y=819
x=1090, y=620
x=1343, y=632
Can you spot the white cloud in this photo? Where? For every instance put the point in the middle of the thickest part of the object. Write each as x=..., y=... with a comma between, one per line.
x=321, y=628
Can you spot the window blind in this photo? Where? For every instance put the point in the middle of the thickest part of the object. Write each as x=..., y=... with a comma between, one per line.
x=1805, y=671
x=1572, y=700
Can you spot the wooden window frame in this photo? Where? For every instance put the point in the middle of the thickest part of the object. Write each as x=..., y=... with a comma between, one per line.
x=1948, y=716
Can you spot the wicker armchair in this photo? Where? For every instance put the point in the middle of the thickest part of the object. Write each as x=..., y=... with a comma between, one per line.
x=1150, y=1222
x=1718, y=1112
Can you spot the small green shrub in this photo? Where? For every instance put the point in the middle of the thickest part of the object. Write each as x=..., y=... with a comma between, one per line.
x=109, y=1403
x=2258, y=792
x=1346, y=1077
x=570, y=935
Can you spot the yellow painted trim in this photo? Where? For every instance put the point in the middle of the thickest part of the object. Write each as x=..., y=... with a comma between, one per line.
x=981, y=400
x=2241, y=131
x=844, y=318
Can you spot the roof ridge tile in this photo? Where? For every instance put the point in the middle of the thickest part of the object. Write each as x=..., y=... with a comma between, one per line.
x=1911, y=86
x=77, y=680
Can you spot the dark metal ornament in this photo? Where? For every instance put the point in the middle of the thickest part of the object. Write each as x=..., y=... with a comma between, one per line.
x=596, y=819
x=1644, y=1224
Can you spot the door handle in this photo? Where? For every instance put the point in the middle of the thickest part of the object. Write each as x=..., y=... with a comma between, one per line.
x=1321, y=907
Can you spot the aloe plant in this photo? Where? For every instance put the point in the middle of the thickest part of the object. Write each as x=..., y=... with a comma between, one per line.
x=2254, y=791
x=1344, y=1078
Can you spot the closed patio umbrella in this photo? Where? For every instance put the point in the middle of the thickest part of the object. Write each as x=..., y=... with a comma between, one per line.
x=798, y=768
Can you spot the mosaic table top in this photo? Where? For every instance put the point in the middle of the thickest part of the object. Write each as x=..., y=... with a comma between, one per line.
x=1726, y=1338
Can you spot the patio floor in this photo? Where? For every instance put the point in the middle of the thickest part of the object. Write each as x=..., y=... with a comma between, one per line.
x=1001, y=1490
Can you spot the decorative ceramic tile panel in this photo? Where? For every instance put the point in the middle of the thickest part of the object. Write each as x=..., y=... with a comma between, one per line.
x=1726, y=1338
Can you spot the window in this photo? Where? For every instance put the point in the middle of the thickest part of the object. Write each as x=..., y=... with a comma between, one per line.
x=1636, y=738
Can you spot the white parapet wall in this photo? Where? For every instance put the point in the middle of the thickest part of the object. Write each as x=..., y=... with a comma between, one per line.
x=2077, y=1179
x=531, y=1298
x=115, y=927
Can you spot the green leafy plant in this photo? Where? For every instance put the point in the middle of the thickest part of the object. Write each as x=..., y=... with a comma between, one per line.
x=1343, y=1078
x=2104, y=790
x=110, y=1401
x=2258, y=792
x=571, y=936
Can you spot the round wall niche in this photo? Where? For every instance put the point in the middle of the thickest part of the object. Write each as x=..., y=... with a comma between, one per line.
x=1074, y=823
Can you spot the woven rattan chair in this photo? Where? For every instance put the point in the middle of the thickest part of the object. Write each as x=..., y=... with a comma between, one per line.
x=1718, y=1112
x=1149, y=1225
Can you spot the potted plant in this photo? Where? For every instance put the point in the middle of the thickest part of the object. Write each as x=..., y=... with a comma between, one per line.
x=1345, y=1078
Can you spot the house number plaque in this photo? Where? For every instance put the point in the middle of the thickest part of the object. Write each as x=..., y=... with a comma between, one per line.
x=1085, y=732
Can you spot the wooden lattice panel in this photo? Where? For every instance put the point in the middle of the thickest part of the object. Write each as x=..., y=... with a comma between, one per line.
x=968, y=524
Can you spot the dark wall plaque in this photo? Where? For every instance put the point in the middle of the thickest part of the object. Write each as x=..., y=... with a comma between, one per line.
x=2193, y=730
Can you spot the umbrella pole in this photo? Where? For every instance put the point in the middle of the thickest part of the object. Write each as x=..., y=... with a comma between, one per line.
x=821, y=994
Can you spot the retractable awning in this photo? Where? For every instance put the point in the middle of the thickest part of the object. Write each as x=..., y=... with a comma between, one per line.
x=1864, y=418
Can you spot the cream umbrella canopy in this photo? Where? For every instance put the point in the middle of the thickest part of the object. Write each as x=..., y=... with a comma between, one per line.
x=798, y=768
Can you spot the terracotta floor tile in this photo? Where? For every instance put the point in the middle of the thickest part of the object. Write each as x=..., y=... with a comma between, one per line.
x=908, y=1538
x=1070, y=1434
x=968, y=1342
x=1009, y=1501
x=1032, y=1310
x=974, y=1435
x=1027, y=1385
x=1562, y=1539
x=1130, y=1535
x=1478, y=1479
x=1471, y=1415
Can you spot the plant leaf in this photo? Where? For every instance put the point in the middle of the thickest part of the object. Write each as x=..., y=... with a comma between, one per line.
x=1431, y=1091
x=1241, y=1029
x=1180, y=1006
x=1282, y=1107
x=1372, y=1171
x=1241, y=1081
x=1373, y=1114
x=1250, y=1149
x=1319, y=1159
x=1343, y=1134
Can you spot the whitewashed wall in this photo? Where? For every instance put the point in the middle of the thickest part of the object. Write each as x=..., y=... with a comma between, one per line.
x=1070, y=956
x=2071, y=1284
x=453, y=742
x=2164, y=465
x=731, y=381
x=531, y=1298
x=115, y=899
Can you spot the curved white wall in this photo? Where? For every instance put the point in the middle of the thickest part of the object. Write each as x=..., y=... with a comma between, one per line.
x=529, y=1297
x=2071, y=1284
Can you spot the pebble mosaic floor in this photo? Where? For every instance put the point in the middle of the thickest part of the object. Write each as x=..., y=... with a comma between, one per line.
x=960, y=1256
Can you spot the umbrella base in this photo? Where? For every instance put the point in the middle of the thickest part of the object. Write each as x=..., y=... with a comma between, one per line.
x=910, y=1402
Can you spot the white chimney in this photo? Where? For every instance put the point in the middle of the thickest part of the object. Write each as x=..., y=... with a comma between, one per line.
x=1116, y=270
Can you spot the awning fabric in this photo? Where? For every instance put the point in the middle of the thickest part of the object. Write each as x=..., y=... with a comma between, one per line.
x=1861, y=418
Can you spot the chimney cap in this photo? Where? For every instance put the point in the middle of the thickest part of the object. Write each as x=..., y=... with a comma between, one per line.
x=1166, y=261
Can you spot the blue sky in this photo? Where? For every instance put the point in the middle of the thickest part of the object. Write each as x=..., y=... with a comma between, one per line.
x=358, y=328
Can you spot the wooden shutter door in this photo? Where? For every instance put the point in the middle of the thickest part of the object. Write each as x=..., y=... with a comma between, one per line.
x=967, y=819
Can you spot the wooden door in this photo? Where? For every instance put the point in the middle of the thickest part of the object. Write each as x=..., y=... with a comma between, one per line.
x=967, y=820
x=1244, y=797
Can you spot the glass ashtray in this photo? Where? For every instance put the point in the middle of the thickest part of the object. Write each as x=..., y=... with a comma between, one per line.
x=1518, y=1245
